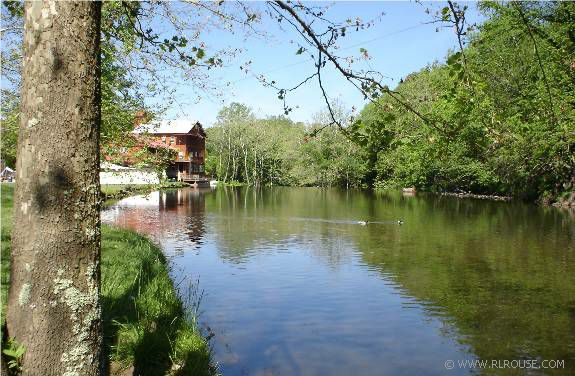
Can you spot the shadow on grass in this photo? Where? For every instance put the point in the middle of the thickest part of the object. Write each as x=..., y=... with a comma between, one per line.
x=6, y=194
x=145, y=324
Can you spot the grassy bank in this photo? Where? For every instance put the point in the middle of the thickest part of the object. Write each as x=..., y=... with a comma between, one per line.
x=116, y=191
x=145, y=324
x=7, y=192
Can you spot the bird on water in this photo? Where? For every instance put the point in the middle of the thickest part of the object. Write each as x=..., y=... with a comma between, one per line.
x=400, y=221
x=363, y=223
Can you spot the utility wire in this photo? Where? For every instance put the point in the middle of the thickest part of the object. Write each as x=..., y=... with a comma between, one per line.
x=253, y=75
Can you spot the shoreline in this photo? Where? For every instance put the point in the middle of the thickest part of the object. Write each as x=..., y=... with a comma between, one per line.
x=566, y=201
x=112, y=192
x=116, y=192
x=476, y=196
x=147, y=328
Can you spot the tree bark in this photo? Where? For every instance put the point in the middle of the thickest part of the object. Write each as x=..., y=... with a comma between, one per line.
x=246, y=164
x=54, y=302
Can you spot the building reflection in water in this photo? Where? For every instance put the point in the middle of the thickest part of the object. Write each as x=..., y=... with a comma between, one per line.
x=187, y=205
x=173, y=214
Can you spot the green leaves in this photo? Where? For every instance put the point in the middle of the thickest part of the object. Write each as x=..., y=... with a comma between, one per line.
x=276, y=150
x=454, y=58
x=445, y=13
x=16, y=8
x=14, y=352
x=494, y=130
x=454, y=62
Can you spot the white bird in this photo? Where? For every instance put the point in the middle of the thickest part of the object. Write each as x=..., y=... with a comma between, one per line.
x=363, y=223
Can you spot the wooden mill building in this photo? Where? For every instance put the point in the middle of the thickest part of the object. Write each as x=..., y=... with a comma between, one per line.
x=188, y=139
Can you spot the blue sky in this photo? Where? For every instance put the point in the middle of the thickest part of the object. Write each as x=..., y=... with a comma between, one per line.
x=399, y=43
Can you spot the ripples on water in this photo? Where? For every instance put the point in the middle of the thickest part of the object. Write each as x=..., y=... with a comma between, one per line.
x=295, y=286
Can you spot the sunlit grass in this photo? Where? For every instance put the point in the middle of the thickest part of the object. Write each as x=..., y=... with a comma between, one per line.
x=120, y=190
x=145, y=323
x=6, y=193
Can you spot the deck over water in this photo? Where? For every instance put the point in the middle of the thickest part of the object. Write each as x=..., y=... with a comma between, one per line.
x=195, y=180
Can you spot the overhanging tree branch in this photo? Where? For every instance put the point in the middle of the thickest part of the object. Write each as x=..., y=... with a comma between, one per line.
x=369, y=87
x=527, y=25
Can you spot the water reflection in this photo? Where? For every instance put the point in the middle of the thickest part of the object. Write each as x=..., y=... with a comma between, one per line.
x=177, y=214
x=295, y=286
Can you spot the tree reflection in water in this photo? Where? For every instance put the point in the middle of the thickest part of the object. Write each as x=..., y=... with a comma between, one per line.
x=495, y=279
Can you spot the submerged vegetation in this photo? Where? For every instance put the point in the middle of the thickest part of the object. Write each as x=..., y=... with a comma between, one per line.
x=498, y=117
x=146, y=326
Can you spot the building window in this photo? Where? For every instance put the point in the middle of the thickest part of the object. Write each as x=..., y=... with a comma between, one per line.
x=181, y=155
x=201, y=168
x=163, y=138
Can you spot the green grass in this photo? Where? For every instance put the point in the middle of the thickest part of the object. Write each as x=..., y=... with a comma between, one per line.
x=110, y=191
x=145, y=323
x=6, y=193
x=232, y=183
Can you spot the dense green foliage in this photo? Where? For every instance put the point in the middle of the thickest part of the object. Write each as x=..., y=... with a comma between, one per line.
x=277, y=151
x=120, y=93
x=9, y=128
x=501, y=112
x=145, y=323
x=121, y=96
x=498, y=117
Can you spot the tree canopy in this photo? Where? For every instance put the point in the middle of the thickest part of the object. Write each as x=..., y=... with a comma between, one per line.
x=277, y=151
x=502, y=110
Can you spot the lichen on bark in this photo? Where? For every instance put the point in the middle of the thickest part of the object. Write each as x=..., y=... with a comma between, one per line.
x=24, y=296
x=54, y=303
x=79, y=354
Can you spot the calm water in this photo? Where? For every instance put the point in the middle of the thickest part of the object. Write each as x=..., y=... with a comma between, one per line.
x=295, y=286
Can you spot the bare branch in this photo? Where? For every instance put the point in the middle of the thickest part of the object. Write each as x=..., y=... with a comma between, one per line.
x=362, y=82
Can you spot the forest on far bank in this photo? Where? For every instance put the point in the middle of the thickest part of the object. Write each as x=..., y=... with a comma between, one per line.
x=498, y=117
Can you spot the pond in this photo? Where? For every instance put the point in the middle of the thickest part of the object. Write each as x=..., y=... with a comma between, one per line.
x=294, y=285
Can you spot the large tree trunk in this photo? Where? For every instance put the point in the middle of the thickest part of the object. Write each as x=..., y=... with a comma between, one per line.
x=54, y=303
